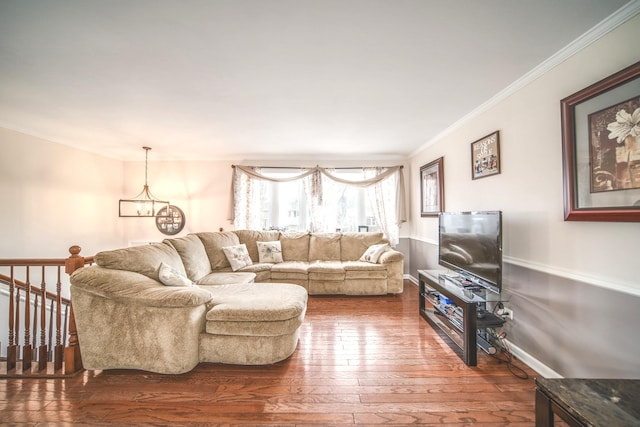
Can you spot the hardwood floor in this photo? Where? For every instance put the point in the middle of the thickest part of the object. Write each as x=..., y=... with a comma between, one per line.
x=360, y=360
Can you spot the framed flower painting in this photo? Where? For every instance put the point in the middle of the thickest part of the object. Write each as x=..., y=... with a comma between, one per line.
x=601, y=149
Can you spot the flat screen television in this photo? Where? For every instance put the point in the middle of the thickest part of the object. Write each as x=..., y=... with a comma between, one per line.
x=470, y=244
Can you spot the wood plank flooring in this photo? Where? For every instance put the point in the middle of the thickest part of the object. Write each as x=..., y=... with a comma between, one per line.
x=360, y=361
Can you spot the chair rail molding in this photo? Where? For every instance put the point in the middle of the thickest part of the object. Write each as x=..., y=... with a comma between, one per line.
x=621, y=286
x=626, y=287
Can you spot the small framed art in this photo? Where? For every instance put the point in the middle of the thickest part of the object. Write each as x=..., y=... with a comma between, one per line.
x=485, y=156
x=170, y=220
x=432, y=188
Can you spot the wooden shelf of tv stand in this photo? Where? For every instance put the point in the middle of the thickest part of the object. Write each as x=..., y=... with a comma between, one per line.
x=462, y=335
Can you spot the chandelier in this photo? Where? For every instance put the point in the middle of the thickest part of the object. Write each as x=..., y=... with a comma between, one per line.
x=144, y=204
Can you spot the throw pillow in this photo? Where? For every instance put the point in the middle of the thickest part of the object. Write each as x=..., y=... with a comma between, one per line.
x=238, y=256
x=270, y=251
x=170, y=276
x=373, y=252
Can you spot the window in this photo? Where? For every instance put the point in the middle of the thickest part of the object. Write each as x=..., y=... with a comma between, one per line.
x=318, y=199
x=285, y=206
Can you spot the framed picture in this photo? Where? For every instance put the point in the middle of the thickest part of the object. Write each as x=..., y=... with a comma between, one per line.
x=601, y=149
x=170, y=220
x=485, y=156
x=432, y=188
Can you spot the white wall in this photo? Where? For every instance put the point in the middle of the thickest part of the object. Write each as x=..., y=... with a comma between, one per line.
x=54, y=196
x=573, y=286
x=529, y=188
x=199, y=188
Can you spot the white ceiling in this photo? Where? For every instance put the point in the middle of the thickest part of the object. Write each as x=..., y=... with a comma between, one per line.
x=277, y=79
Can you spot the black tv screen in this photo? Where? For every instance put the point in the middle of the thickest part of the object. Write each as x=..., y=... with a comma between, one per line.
x=470, y=243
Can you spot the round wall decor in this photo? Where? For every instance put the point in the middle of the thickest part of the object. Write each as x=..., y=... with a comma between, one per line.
x=171, y=222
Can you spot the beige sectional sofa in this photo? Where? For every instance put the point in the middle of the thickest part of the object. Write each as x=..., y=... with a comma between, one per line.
x=322, y=263
x=127, y=318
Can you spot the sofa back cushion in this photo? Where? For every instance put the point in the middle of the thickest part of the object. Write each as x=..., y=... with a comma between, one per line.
x=194, y=257
x=295, y=246
x=324, y=247
x=145, y=259
x=353, y=245
x=214, y=242
x=250, y=237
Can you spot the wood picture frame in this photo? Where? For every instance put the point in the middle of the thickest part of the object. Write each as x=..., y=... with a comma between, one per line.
x=485, y=156
x=432, y=188
x=601, y=149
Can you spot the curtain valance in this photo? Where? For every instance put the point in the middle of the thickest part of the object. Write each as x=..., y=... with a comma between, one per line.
x=383, y=173
x=254, y=172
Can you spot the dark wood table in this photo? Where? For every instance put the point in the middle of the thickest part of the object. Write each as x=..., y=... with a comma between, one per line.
x=588, y=402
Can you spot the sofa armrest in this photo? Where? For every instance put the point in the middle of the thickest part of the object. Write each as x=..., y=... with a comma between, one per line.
x=390, y=256
x=135, y=288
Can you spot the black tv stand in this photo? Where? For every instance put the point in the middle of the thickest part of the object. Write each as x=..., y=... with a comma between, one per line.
x=458, y=321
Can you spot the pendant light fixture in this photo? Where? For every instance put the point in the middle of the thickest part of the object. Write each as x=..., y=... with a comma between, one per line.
x=144, y=205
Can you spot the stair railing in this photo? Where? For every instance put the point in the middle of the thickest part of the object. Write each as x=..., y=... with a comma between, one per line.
x=54, y=355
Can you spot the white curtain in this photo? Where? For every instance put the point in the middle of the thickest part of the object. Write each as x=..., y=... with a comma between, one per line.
x=384, y=187
x=380, y=197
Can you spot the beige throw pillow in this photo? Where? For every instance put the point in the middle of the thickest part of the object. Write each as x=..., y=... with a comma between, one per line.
x=238, y=256
x=373, y=252
x=169, y=276
x=270, y=251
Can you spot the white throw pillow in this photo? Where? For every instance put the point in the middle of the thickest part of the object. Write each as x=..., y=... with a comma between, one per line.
x=169, y=276
x=373, y=252
x=270, y=251
x=238, y=256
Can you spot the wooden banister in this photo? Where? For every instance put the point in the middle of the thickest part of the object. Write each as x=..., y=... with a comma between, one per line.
x=72, y=357
x=68, y=357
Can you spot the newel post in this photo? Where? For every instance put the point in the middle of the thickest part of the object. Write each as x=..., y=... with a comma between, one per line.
x=72, y=357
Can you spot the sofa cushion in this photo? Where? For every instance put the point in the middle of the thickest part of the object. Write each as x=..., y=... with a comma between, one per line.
x=251, y=237
x=266, y=302
x=169, y=276
x=290, y=267
x=270, y=251
x=229, y=278
x=194, y=257
x=324, y=247
x=353, y=245
x=326, y=267
x=326, y=271
x=143, y=259
x=213, y=244
x=295, y=246
x=364, y=270
x=238, y=256
x=256, y=268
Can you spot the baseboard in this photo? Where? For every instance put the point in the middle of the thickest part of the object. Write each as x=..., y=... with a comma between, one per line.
x=411, y=279
x=532, y=362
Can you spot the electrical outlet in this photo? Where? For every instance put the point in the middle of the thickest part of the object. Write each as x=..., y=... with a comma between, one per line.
x=505, y=312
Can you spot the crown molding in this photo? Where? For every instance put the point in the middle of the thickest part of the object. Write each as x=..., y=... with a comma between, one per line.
x=605, y=26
